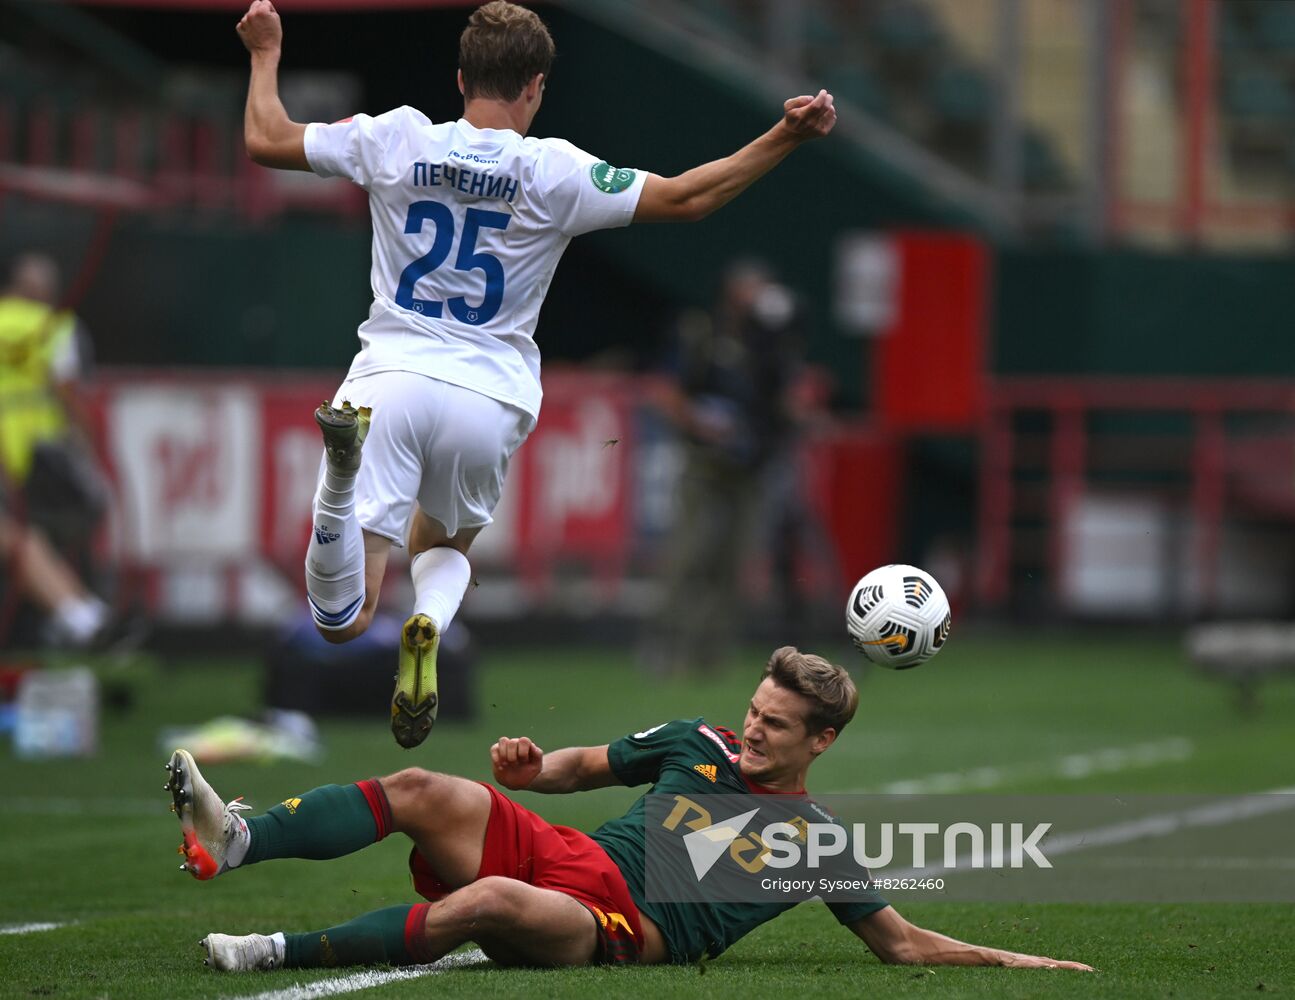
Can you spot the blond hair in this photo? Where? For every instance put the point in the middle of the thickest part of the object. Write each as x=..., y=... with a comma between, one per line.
x=502, y=49
x=829, y=687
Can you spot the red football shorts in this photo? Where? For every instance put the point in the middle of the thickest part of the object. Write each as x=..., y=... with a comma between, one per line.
x=521, y=845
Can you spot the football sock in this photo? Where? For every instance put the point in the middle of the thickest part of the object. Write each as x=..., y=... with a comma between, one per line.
x=335, y=556
x=326, y=822
x=79, y=618
x=441, y=577
x=375, y=938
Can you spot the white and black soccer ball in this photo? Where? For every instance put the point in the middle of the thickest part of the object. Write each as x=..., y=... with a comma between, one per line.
x=898, y=616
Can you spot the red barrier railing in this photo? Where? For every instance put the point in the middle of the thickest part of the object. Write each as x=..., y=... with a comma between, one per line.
x=1231, y=451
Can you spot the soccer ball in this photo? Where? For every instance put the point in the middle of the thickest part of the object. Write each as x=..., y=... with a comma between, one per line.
x=898, y=616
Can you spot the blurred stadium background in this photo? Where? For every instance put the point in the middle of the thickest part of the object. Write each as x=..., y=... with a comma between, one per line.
x=1043, y=264
x=1044, y=273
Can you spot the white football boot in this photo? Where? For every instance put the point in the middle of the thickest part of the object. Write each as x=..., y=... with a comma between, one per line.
x=243, y=952
x=216, y=838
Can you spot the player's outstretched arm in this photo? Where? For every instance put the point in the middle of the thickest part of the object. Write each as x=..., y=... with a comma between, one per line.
x=696, y=193
x=518, y=763
x=272, y=138
x=897, y=942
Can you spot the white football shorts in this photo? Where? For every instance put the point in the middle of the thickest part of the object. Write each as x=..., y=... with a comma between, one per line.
x=433, y=443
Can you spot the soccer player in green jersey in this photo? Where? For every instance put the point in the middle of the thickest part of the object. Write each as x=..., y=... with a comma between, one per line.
x=528, y=892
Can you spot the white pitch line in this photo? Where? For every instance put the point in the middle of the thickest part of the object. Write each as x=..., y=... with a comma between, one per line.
x=1071, y=767
x=27, y=928
x=1200, y=864
x=1218, y=813
x=1156, y=825
x=368, y=980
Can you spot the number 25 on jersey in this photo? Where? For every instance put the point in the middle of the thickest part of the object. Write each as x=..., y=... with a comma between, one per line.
x=468, y=259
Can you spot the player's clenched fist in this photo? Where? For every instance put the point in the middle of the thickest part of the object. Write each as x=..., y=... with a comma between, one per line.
x=516, y=761
x=810, y=117
x=260, y=28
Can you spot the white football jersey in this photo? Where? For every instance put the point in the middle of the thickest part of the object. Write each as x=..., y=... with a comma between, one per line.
x=468, y=227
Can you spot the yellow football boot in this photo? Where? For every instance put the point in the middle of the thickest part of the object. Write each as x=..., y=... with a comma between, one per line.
x=413, y=705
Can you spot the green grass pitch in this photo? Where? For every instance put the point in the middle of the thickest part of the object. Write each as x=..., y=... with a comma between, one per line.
x=92, y=844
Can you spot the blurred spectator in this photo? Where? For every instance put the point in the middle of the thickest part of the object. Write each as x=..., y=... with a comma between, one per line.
x=44, y=440
x=732, y=404
x=35, y=571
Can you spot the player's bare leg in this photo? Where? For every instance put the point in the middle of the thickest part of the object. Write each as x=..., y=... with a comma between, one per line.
x=441, y=575
x=512, y=922
x=444, y=816
x=41, y=574
x=377, y=548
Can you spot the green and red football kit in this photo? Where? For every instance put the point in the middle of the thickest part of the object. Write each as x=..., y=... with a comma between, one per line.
x=522, y=845
x=690, y=757
x=604, y=871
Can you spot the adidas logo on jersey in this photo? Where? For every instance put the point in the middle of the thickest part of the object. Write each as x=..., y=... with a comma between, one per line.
x=324, y=536
x=707, y=771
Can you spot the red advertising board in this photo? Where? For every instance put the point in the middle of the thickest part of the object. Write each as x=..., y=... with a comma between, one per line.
x=214, y=475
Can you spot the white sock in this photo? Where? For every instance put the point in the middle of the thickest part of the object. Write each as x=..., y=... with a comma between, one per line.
x=441, y=577
x=280, y=948
x=335, y=557
x=237, y=846
x=79, y=618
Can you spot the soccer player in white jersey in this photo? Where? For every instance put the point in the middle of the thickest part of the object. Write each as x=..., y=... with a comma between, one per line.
x=469, y=220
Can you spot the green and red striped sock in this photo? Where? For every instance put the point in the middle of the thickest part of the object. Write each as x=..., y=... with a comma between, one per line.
x=326, y=822
x=393, y=936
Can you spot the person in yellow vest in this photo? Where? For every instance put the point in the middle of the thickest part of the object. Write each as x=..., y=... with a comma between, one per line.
x=39, y=363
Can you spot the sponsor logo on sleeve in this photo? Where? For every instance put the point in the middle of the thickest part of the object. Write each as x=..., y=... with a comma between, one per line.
x=718, y=740
x=609, y=179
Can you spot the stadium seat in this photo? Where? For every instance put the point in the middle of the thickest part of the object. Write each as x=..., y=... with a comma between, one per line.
x=961, y=95
x=908, y=45
x=1234, y=36
x=1276, y=26
x=1257, y=95
x=727, y=22
x=1041, y=170
x=906, y=28
x=858, y=86
x=820, y=31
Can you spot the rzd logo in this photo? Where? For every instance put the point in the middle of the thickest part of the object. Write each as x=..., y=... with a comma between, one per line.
x=709, y=840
